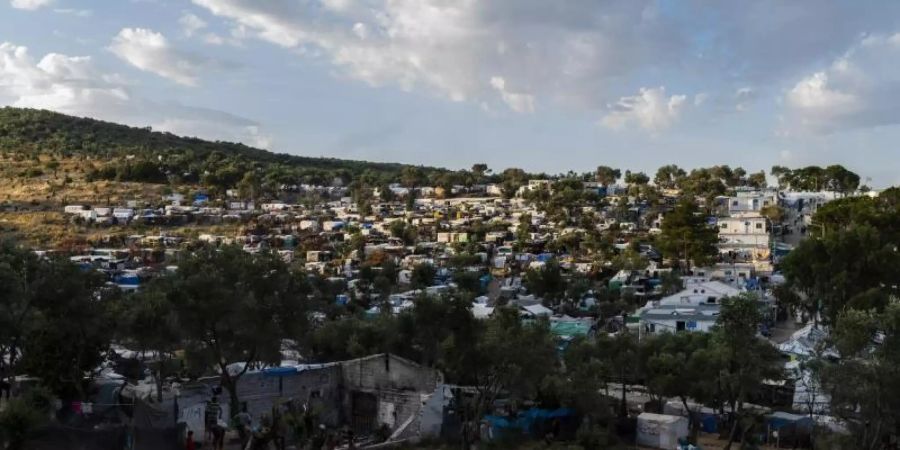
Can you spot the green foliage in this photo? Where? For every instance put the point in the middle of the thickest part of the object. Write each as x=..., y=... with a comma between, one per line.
x=639, y=178
x=606, y=175
x=140, y=154
x=685, y=235
x=546, y=282
x=832, y=271
x=862, y=384
x=21, y=417
x=422, y=276
x=68, y=329
x=669, y=176
x=814, y=178
x=236, y=307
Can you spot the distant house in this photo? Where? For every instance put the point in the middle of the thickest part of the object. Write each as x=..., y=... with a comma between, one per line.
x=75, y=209
x=675, y=318
x=745, y=236
x=452, y=238
x=123, y=213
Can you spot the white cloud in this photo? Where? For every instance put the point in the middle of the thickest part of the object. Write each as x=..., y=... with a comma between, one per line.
x=814, y=93
x=75, y=85
x=743, y=97
x=861, y=88
x=547, y=51
x=518, y=102
x=213, y=39
x=30, y=5
x=650, y=109
x=191, y=24
x=150, y=51
x=74, y=12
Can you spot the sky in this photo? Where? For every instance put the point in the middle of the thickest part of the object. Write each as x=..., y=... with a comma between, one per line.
x=548, y=86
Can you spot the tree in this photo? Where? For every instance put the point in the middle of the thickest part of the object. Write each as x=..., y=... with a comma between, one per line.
x=671, y=282
x=668, y=176
x=862, y=384
x=636, y=178
x=479, y=169
x=840, y=268
x=686, y=235
x=422, y=276
x=511, y=180
x=412, y=176
x=774, y=213
x=22, y=416
x=757, y=180
x=235, y=309
x=620, y=354
x=745, y=360
x=680, y=365
x=20, y=270
x=546, y=282
x=782, y=174
x=150, y=322
x=507, y=356
x=606, y=175
x=70, y=332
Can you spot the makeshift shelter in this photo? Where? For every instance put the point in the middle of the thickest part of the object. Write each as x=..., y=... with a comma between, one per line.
x=660, y=430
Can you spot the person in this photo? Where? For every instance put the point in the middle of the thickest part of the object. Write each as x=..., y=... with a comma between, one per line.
x=218, y=433
x=243, y=421
x=211, y=415
x=189, y=443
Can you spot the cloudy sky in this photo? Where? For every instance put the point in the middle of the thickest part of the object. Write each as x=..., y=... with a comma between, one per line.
x=544, y=85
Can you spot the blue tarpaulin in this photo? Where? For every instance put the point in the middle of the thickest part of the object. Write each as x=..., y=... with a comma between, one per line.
x=279, y=371
x=544, y=257
x=526, y=420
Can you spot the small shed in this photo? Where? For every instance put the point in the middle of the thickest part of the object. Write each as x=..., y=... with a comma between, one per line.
x=661, y=430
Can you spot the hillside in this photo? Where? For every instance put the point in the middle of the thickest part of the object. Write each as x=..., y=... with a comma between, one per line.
x=30, y=132
x=49, y=159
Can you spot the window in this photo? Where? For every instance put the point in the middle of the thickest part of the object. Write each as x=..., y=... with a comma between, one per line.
x=759, y=226
x=723, y=226
x=680, y=325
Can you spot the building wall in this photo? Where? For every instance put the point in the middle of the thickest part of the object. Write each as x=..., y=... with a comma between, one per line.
x=400, y=386
x=386, y=371
x=320, y=388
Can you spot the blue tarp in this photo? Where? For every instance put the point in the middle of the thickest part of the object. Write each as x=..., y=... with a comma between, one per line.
x=279, y=371
x=526, y=420
x=128, y=280
x=709, y=423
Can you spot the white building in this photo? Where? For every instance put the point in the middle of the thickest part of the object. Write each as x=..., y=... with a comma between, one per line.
x=745, y=236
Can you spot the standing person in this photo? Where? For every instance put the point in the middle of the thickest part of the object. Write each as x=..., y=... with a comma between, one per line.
x=243, y=421
x=218, y=442
x=211, y=416
x=189, y=443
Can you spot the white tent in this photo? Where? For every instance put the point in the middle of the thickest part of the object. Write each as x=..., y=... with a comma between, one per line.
x=660, y=430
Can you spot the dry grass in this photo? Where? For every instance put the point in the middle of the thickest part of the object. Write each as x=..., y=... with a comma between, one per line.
x=65, y=184
x=36, y=202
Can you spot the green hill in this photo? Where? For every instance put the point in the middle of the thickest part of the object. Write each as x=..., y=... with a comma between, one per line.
x=125, y=153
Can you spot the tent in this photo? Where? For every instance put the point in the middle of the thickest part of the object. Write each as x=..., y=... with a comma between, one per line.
x=660, y=430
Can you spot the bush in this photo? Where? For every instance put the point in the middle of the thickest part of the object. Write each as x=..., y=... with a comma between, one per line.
x=32, y=172
x=594, y=436
x=20, y=418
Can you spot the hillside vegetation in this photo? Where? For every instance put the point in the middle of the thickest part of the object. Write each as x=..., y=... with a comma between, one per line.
x=124, y=153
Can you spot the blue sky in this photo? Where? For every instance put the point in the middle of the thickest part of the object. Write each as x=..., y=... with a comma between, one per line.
x=546, y=86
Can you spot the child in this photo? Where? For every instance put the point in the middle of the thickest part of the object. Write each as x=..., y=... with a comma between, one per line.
x=189, y=443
